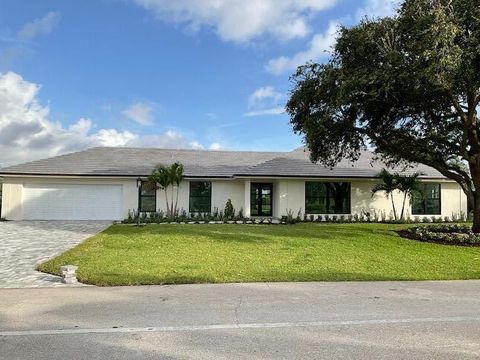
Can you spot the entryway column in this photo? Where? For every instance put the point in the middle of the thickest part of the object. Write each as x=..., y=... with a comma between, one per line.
x=246, y=207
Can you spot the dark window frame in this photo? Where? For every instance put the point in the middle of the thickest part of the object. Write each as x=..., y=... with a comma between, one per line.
x=149, y=196
x=328, y=198
x=259, y=200
x=190, y=209
x=424, y=200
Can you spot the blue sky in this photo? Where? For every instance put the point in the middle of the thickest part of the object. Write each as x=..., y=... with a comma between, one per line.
x=210, y=74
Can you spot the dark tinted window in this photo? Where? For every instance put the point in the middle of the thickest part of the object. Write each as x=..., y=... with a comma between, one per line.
x=427, y=201
x=148, y=197
x=327, y=198
x=200, y=197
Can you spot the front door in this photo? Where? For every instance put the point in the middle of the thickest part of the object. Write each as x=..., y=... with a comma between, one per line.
x=261, y=199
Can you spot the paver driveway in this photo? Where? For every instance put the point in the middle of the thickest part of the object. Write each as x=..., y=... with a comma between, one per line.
x=24, y=244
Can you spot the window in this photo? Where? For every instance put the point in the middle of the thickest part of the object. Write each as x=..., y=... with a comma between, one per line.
x=261, y=199
x=147, y=197
x=200, y=197
x=327, y=198
x=427, y=201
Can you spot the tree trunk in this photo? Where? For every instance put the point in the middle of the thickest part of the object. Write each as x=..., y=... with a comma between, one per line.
x=393, y=206
x=176, y=198
x=403, y=205
x=166, y=200
x=476, y=212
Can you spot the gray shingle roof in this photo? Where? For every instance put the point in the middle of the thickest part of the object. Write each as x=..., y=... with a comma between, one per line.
x=105, y=161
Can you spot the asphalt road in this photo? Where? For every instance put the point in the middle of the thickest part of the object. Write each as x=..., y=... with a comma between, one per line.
x=383, y=320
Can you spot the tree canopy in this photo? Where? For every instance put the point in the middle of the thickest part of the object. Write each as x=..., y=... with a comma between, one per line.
x=408, y=87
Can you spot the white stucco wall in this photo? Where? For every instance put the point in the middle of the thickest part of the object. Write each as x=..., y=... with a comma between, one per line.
x=453, y=200
x=290, y=195
x=222, y=190
x=287, y=194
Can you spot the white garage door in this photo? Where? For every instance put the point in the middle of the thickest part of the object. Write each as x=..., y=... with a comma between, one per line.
x=72, y=202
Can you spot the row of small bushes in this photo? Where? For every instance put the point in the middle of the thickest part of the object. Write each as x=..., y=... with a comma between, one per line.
x=160, y=218
x=290, y=218
x=451, y=234
x=389, y=220
x=182, y=216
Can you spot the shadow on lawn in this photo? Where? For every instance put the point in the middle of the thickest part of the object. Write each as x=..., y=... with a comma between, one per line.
x=260, y=233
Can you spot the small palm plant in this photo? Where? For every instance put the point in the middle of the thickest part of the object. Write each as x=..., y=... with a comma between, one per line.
x=408, y=185
x=388, y=185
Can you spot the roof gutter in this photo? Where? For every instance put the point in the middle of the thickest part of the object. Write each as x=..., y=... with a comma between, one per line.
x=238, y=176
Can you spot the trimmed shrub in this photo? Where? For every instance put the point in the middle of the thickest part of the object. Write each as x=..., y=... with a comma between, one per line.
x=229, y=210
x=449, y=234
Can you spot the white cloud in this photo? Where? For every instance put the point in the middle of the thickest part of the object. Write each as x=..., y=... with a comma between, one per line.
x=378, y=8
x=140, y=113
x=265, y=101
x=271, y=111
x=319, y=47
x=263, y=93
x=240, y=21
x=215, y=146
x=196, y=145
x=40, y=26
x=27, y=132
x=321, y=44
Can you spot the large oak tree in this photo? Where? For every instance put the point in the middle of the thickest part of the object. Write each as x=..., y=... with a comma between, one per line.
x=406, y=86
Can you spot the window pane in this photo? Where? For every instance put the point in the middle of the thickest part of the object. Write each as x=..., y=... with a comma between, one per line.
x=147, y=204
x=339, y=198
x=316, y=189
x=327, y=197
x=147, y=189
x=427, y=202
x=200, y=189
x=432, y=207
x=432, y=191
x=200, y=196
x=417, y=205
x=316, y=205
x=260, y=199
x=147, y=197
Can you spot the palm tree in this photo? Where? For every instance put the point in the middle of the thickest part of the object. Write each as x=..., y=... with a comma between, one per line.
x=161, y=178
x=408, y=184
x=176, y=177
x=388, y=185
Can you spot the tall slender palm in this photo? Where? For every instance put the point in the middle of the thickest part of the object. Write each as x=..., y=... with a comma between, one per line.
x=388, y=185
x=408, y=184
x=162, y=180
x=176, y=177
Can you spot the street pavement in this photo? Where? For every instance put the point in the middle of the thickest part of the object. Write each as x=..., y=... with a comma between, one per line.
x=350, y=320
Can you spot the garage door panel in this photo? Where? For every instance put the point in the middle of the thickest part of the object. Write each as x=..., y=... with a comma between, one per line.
x=72, y=202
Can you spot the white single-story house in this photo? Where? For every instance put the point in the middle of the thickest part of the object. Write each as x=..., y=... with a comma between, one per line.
x=105, y=184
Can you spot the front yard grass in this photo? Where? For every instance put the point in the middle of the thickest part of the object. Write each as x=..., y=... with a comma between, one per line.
x=177, y=254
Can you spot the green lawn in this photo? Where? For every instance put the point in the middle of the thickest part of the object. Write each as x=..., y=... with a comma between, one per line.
x=174, y=254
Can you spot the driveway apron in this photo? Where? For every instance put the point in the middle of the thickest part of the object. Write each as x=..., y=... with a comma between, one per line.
x=25, y=244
